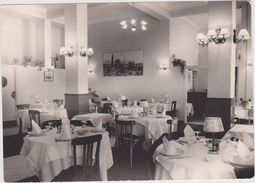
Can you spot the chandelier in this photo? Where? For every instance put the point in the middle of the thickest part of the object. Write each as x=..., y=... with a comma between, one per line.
x=134, y=24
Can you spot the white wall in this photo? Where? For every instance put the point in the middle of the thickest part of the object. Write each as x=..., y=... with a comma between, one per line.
x=183, y=41
x=109, y=37
x=9, y=106
x=30, y=83
x=57, y=39
x=21, y=37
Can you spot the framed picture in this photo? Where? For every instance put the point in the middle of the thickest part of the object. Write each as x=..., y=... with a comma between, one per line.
x=129, y=63
x=48, y=76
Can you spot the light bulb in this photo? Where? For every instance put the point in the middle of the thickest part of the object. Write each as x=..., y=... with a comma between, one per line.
x=143, y=22
x=123, y=22
x=144, y=28
x=124, y=26
x=133, y=21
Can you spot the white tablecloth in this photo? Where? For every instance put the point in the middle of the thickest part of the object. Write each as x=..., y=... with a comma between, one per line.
x=49, y=157
x=151, y=126
x=200, y=165
x=98, y=119
x=243, y=113
x=189, y=109
x=45, y=114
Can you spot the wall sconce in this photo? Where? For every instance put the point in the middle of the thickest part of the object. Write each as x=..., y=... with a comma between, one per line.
x=90, y=69
x=86, y=52
x=202, y=39
x=243, y=36
x=163, y=67
x=218, y=36
x=66, y=51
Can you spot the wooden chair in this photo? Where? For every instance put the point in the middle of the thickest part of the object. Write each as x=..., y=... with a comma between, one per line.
x=87, y=159
x=58, y=101
x=244, y=173
x=34, y=115
x=89, y=170
x=107, y=108
x=76, y=122
x=21, y=107
x=124, y=102
x=172, y=113
x=54, y=123
x=150, y=150
x=124, y=136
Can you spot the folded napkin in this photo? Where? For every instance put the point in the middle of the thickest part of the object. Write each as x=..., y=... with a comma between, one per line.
x=134, y=113
x=152, y=100
x=247, y=140
x=115, y=104
x=62, y=107
x=163, y=113
x=65, y=132
x=135, y=103
x=171, y=147
x=154, y=110
x=188, y=131
x=242, y=150
x=36, y=128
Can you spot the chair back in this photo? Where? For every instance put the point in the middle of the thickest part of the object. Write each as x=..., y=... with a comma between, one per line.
x=173, y=105
x=76, y=122
x=107, y=108
x=59, y=102
x=124, y=102
x=104, y=99
x=34, y=115
x=172, y=113
x=22, y=106
x=124, y=130
x=88, y=144
x=54, y=123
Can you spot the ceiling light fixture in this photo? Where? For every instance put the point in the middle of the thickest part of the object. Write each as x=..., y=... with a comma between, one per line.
x=134, y=24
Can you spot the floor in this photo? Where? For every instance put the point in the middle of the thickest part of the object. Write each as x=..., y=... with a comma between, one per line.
x=119, y=171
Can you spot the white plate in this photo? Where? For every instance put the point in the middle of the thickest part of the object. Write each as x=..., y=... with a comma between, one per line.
x=185, y=139
x=236, y=161
x=177, y=154
x=36, y=134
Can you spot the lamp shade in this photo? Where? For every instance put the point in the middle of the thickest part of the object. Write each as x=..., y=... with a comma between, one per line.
x=213, y=124
x=122, y=97
x=243, y=34
x=224, y=32
x=144, y=104
x=211, y=33
x=200, y=36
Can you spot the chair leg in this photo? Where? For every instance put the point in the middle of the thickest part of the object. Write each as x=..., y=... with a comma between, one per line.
x=131, y=155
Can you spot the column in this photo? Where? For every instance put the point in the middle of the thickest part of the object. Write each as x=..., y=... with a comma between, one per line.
x=76, y=36
x=47, y=42
x=221, y=63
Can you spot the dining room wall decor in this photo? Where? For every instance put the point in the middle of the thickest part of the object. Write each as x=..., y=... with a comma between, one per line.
x=127, y=63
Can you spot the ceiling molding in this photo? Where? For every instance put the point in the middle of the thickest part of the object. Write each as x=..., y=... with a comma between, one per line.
x=28, y=12
x=153, y=10
x=187, y=20
x=55, y=14
x=189, y=11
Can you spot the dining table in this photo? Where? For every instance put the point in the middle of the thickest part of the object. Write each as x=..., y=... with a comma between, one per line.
x=50, y=156
x=150, y=126
x=47, y=111
x=194, y=163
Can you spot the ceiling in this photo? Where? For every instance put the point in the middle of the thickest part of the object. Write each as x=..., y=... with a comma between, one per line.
x=103, y=12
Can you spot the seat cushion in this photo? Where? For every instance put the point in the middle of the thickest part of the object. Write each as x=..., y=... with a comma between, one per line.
x=17, y=168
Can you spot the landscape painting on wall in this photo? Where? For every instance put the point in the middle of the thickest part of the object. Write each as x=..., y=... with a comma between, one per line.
x=128, y=63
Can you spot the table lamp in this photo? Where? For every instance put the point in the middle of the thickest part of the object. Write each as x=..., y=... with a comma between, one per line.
x=213, y=125
x=144, y=105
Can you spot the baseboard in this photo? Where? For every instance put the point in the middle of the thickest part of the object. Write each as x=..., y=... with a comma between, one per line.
x=9, y=124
